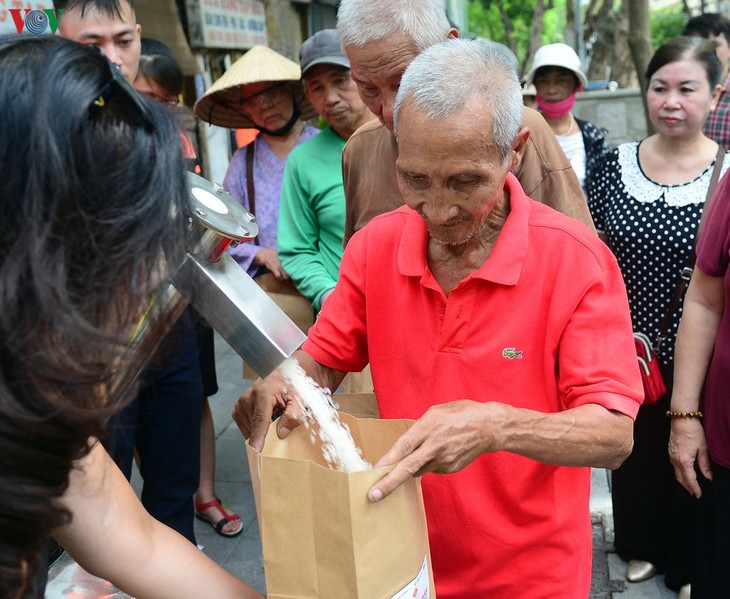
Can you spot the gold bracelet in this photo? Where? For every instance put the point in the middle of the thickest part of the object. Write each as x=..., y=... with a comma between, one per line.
x=671, y=414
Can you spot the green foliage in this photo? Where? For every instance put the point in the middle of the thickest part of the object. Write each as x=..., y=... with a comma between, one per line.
x=667, y=23
x=485, y=21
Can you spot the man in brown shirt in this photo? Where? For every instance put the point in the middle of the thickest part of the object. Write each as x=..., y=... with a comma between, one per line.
x=381, y=39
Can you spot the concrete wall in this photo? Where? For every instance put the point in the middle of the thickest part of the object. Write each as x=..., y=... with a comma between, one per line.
x=620, y=111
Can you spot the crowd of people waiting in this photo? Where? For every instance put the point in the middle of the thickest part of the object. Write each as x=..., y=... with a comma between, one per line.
x=433, y=222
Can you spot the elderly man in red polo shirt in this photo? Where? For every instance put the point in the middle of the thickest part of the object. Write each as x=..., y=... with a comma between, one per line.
x=500, y=325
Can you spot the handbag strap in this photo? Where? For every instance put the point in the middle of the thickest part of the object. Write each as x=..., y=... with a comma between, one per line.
x=250, y=190
x=685, y=274
x=250, y=151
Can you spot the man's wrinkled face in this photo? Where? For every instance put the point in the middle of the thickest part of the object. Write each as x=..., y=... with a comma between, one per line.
x=118, y=37
x=449, y=170
x=333, y=93
x=377, y=68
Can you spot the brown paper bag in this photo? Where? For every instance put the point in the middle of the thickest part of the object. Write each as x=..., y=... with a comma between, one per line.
x=321, y=537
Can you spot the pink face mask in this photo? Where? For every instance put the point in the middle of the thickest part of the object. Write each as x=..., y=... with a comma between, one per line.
x=554, y=110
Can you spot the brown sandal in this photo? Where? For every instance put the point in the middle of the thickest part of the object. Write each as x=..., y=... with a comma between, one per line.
x=218, y=526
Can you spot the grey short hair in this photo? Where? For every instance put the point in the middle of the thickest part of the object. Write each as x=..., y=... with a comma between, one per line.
x=442, y=79
x=360, y=22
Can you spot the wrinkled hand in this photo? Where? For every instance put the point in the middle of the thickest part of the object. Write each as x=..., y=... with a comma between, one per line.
x=255, y=408
x=687, y=446
x=447, y=438
x=270, y=259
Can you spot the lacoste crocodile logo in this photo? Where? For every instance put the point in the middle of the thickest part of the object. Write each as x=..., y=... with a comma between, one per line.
x=511, y=353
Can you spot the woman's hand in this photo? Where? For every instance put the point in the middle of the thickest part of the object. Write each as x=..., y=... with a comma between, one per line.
x=687, y=447
x=270, y=259
x=147, y=558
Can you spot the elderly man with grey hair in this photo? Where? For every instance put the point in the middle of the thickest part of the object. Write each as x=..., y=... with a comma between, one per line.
x=498, y=324
x=381, y=38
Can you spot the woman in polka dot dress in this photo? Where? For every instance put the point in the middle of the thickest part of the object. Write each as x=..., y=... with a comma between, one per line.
x=647, y=200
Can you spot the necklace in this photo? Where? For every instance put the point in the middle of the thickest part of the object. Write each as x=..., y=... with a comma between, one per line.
x=570, y=126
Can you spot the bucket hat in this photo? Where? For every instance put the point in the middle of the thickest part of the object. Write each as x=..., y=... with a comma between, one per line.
x=556, y=55
x=221, y=104
x=323, y=47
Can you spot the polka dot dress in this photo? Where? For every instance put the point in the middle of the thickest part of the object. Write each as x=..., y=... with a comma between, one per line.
x=651, y=229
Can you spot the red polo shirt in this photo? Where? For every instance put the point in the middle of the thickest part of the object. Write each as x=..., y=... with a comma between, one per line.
x=543, y=324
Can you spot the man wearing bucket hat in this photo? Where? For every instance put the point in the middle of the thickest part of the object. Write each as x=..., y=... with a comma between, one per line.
x=381, y=38
x=557, y=78
x=262, y=90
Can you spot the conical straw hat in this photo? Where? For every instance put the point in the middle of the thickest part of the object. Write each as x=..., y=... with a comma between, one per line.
x=221, y=104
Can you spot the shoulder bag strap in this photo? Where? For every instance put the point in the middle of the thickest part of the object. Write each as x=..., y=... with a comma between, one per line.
x=686, y=273
x=710, y=192
x=250, y=151
x=250, y=190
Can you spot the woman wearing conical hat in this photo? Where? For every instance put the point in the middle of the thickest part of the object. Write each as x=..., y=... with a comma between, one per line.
x=261, y=90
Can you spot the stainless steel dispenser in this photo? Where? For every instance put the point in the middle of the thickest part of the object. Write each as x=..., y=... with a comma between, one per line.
x=219, y=289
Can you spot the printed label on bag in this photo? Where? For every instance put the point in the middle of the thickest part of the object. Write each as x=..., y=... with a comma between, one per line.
x=419, y=588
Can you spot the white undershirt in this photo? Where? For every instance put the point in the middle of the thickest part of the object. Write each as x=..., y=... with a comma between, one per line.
x=575, y=151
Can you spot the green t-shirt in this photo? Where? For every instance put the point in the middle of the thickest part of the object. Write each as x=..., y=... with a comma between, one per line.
x=312, y=215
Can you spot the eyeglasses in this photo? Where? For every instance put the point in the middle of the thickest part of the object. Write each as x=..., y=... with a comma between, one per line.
x=271, y=95
x=118, y=84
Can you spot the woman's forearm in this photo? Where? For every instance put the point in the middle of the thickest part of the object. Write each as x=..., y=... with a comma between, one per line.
x=112, y=536
x=703, y=308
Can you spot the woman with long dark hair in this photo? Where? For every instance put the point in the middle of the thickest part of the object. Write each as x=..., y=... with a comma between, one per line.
x=93, y=218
